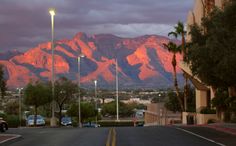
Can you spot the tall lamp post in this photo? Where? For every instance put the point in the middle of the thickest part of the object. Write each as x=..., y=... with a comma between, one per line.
x=79, y=108
x=95, y=95
x=159, y=108
x=19, y=91
x=52, y=12
x=117, y=96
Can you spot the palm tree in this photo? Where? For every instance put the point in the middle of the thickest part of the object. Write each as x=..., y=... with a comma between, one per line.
x=179, y=31
x=173, y=48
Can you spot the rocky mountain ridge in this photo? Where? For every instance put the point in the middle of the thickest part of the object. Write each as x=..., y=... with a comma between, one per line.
x=142, y=61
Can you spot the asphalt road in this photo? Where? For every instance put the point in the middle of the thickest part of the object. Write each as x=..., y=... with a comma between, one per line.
x=122, y=136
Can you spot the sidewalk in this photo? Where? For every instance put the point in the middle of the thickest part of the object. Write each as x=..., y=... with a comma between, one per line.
x=5, y=139
x=229, y=128
x=224, y=127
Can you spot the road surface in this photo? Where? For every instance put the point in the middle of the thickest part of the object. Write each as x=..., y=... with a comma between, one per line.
x=122, y=136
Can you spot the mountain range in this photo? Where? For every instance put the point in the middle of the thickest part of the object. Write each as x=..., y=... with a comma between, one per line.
x=142, y=61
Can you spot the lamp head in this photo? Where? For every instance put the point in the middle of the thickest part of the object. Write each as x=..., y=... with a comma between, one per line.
x=82, y=55
x=52, y=11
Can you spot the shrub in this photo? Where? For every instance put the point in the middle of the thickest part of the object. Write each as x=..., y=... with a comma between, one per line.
x=207, y=110
x=3, y=115
x=75, y=121
x=13, y=121
x=211, y=121
x=116, y=124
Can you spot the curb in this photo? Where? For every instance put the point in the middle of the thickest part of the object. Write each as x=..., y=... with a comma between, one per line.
x=223, y=129
x=14, y=138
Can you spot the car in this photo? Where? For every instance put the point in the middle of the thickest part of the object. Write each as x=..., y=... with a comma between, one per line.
x=39, y=121
x=3, y=125
x=90, y=125
x=66, y=121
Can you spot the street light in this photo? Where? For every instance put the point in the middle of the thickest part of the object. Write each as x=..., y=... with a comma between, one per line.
x=52, y=12
x=117, y=96
x=95, y=95
x=159, y=108
x=79, y=108
x=19, y=91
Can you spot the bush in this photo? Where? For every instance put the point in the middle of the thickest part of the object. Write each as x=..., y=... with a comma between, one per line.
x=3, y=115
x=75, y=121
x=211, y=121
x=116, y=124
x=13, y=121
x=207, y=110
x=47, y=121
x=233, y=120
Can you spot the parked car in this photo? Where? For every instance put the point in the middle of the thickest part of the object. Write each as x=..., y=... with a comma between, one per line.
x=3, y=125
x=66, y=121
x=90, y=125
x=39, y=121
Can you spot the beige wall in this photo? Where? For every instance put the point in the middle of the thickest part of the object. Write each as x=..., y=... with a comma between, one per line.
x=201, y=99
x=157, y=114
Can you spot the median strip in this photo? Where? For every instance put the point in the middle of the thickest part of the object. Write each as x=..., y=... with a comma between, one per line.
x=111, y=139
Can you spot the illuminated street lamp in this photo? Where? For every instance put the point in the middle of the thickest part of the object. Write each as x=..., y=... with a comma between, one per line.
x=52, y=12
x=117, y=96
x=79, y=108
x=19, y=91
x=95, y=98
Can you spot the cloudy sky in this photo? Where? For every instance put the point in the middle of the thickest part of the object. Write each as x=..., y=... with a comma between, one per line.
x=26, y=23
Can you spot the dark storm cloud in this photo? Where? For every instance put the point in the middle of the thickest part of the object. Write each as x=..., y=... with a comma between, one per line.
x=25, y=23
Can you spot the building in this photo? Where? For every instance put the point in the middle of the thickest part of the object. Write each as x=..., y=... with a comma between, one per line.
x=157, y=114
x=204, y=93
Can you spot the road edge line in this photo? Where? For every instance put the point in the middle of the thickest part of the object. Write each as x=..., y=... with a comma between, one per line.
x=210, y=140
x=10, y=140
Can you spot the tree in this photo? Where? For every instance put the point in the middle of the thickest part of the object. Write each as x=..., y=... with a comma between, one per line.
x=172, y=103
x=173, y=48
x=64, y=91
x=87, y=110
x=180, y=31
x=37, y=94
x=212, y=51
x=3, y=87
x=12, y=108
x=219, y=101
x=212, y=55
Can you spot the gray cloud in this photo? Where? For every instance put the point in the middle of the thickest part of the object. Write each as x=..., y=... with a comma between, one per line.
x=26, y=23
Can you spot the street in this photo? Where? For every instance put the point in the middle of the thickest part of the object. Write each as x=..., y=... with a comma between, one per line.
x=120, y=136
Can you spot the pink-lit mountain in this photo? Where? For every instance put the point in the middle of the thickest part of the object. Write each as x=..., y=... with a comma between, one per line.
x=143, y=62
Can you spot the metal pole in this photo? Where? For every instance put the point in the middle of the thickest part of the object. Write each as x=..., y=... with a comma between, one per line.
x=95, y=95
x=52, y=13
x=19, y=91
x=79, y=91
x=159, y=108
x=117, y=96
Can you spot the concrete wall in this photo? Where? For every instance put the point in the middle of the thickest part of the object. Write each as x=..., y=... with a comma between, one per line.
x=157, y=114
x=201, y=99
x=203, y=118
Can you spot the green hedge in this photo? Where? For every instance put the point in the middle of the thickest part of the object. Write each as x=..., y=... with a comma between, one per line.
x=116, y=124
x=2, y=115
x=13, y=121
x=207, y=110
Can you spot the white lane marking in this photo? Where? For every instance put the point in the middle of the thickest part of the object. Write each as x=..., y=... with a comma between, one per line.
x=14, y=136
x=220, y=144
